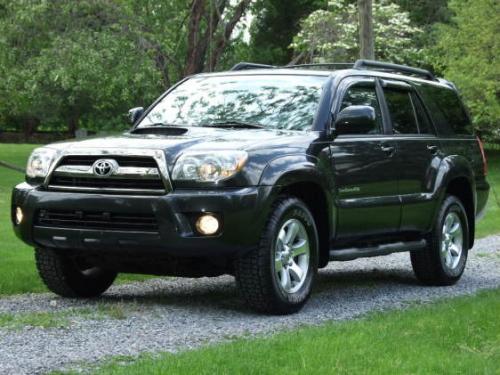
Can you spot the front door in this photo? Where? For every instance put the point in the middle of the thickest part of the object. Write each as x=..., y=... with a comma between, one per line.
x=365, y=173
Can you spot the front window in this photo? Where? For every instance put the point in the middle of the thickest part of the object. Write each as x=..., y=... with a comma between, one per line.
x=268, y=101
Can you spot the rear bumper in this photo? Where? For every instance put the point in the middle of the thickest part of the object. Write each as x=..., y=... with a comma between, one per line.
x=242, y=211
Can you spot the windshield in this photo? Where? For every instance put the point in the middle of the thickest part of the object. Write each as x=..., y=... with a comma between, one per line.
x=268, y=101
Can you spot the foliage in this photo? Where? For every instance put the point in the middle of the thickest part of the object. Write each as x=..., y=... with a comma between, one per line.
x=332, y=35
x=467, y=51
x=273, y=28
x=85, y=63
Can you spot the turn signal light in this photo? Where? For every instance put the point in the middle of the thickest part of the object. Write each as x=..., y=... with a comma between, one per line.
x=19, y=215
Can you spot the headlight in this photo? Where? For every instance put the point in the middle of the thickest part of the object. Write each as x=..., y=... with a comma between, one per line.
x=40, y=161
x=208, y=166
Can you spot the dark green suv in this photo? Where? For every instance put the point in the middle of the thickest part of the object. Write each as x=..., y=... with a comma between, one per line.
x=266, y=174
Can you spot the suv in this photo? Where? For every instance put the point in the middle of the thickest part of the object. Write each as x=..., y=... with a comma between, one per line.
x=266, y=174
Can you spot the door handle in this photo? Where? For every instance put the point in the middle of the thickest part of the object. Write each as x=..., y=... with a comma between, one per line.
x=387, y=149
x=433, y=149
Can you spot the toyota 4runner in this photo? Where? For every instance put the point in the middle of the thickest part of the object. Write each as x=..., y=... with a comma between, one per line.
x=266, y=174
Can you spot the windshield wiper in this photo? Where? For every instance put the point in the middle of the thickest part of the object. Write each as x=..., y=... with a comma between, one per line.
x=234, y=124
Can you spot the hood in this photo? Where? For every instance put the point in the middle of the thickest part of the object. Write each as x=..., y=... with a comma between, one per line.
x=199, y=139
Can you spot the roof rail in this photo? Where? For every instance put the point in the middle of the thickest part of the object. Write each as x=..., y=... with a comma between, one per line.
x=248, y=66
x=378, y=65
x=333, y=66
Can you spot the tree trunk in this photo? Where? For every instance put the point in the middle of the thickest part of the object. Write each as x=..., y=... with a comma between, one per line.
x=196, y=52
x=29, y=127
x=366, y=38
x=73, y=124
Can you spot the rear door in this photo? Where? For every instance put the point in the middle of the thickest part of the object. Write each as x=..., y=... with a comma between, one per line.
x=363, y=164
x=418, y=156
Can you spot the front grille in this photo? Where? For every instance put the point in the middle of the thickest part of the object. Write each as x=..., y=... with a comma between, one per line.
x=133, y=175
x=111, y=183
x=97, y=220
x=123, y=161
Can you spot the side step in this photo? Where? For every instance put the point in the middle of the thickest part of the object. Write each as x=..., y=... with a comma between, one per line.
x=384, y=249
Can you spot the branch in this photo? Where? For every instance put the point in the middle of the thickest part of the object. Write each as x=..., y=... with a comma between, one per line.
x=228, y=30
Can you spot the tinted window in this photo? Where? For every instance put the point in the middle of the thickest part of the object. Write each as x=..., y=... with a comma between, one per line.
x=424, y=124
x=271, y=101
x=401, y=110
x=446, y=110
x=361, y=94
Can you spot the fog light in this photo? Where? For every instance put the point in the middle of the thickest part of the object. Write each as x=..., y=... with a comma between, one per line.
x=19, y=215
x=207, y=224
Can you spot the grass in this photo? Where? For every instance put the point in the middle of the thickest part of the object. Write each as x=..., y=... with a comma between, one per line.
x=456, y=336
x=17, y=270
x=63, y=318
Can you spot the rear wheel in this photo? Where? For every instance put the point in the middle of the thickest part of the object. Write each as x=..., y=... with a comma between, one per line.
x=443, y=262
x=70, y=277
x=277, y=278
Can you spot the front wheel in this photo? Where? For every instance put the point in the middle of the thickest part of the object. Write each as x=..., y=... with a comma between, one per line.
x=277, y=278
x=443, y=262
x=71, y=277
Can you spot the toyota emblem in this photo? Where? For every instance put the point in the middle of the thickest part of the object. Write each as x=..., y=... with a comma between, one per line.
x=104, y=167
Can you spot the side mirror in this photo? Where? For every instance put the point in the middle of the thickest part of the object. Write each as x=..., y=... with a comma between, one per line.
x=135, y=113
x=355, y=119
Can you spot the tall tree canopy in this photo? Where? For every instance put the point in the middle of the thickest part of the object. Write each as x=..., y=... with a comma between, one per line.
x=467, y=51
x=82, y=63
x=274, y=26
x=332, y=34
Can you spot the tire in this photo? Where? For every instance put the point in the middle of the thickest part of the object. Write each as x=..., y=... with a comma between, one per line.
x=63, y=276
x=439, y=263
x=261, y=274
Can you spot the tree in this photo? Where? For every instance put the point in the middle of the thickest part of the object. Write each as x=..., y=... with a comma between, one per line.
x=84, y=63
x=274, y=25
x=332, y=34
x=71, y=63
x=366, y=39
x=467, y=52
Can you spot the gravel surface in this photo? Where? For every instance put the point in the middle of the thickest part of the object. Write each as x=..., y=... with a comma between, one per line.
x=178, y=314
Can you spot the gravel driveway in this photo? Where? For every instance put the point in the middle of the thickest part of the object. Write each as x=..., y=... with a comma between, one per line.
x=178, y=314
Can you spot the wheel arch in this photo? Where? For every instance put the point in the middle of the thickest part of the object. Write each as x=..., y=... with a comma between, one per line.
x=457, y=179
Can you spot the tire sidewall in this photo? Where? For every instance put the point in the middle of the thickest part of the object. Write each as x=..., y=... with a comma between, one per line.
x=452, y=204
x=295, y=209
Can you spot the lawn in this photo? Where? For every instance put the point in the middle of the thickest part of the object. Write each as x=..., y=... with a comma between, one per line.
x=17, y=270
x=457, y=336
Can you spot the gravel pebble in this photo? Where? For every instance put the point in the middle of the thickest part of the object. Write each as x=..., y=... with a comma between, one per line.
x=179, y=314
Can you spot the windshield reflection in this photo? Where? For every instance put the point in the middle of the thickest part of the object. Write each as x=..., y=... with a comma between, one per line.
x=270, y=101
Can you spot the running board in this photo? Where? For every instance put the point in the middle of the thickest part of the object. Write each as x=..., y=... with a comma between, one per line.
x=384, y=249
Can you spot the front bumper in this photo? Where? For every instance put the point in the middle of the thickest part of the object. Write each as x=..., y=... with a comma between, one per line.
x=243, y=212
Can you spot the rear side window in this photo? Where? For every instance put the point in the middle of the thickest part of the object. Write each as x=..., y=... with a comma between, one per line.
x=446, y=110
x=401, y=110
x=424, y=124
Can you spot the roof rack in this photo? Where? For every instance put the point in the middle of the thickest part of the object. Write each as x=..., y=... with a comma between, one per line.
x=378, y=65
x=248, y=66
x=333, y=66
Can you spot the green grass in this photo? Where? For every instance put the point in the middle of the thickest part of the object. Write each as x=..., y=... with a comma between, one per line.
x=457, y=336
x=62, y=319
x=17, y=270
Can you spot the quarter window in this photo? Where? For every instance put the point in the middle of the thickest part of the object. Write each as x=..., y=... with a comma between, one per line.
x=446, y=110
